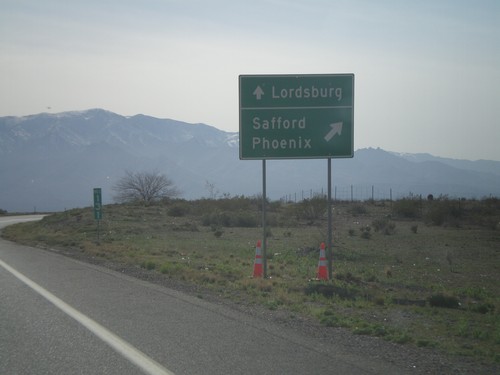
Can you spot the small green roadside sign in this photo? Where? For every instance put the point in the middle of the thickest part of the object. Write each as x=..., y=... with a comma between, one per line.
x=296, y=116
x=97, y=204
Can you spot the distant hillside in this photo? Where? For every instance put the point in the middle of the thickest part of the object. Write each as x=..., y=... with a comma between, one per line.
x=487, y=166
x=53, y=161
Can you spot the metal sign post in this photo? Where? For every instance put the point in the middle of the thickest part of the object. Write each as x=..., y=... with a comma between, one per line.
x=97, y=208
x=329, y=255
x=264, y=226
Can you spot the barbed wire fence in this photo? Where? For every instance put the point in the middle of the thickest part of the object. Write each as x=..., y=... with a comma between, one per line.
x=360, y=193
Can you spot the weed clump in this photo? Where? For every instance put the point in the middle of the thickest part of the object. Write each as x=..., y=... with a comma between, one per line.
x=483, y=308
x=329, y=319
x=366, y=232
x=185, y=227
x=384, y=225
x=329, y=291
x=149, y=265
x=348, y=277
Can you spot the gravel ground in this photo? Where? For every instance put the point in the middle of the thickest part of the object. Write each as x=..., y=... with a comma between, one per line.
x=415, y=360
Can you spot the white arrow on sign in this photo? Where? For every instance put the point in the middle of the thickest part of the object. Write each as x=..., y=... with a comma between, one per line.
x=258, y=92
x=336, y=128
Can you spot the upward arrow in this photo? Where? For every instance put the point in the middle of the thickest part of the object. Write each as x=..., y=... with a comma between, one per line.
x=258, y=92
x=336, y=128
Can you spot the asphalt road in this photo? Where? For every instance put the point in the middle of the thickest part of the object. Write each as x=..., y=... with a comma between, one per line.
x=62, y=316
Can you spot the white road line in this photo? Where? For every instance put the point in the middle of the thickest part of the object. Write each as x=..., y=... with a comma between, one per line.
x=148, y=365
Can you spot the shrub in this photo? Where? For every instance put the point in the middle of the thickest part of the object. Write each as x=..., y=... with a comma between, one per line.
x=178, y=210
x=407, y=208
x=229, y=219
x=312, y=209
x=423, y=343
x=390, y=228
x=269, y=233
x=330, y=320
x=384, y=225
x=272, y=304
x=483, y=308
x=401, y=338
x=443, y=300
x=379, y=224
x=217, y=218
x=358, y=209
x=366, y=234
x=244, y=220
x=149, y=265
x=443, y=212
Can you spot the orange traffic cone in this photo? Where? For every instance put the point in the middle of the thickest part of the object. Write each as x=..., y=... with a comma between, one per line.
x=257, y=265
x=322, y=273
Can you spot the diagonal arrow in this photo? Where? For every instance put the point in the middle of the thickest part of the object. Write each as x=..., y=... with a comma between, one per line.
x=336, y=128
x=258, y=92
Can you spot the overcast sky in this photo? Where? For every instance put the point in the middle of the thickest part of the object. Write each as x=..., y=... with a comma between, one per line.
x=427, y=72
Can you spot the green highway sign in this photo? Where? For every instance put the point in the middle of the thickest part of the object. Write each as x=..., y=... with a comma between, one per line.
x=97, y=204
x=296, y=116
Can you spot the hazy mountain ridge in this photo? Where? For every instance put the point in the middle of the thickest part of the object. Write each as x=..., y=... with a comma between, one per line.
x=488, y=166
x=52, y=162
x=80, y=129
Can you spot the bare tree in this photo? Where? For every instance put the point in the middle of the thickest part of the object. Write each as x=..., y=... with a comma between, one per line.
x=212, y=190
x=145, y=187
